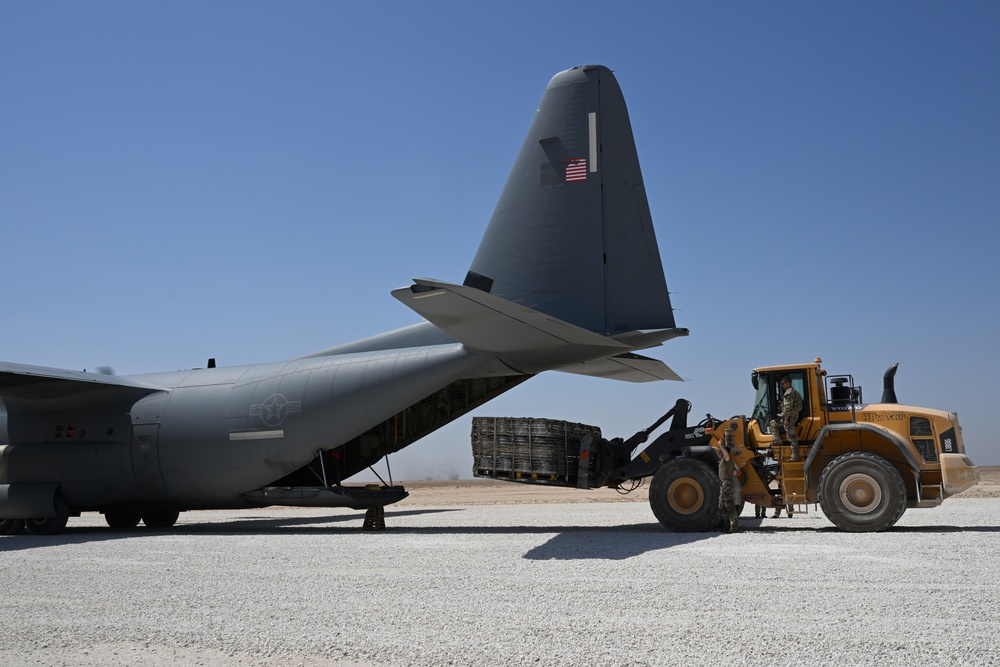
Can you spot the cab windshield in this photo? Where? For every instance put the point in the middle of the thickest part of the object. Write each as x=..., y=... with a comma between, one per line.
x=761, y=403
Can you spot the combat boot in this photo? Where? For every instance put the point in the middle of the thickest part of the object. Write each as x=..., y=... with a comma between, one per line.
x=795, y=453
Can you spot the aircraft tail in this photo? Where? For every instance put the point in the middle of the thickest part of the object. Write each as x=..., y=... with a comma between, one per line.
x=571, y=235
x=568, y=275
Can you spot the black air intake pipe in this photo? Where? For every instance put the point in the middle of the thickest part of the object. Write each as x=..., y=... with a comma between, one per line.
x=888, y=384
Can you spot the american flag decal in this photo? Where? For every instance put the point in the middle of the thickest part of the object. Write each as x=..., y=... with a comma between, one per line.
x=576, y=169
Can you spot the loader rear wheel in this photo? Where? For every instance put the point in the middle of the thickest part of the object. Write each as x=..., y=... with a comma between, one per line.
x=684, y=496
x=862, y=493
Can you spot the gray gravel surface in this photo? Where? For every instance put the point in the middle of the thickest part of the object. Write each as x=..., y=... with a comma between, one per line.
x=558, y=584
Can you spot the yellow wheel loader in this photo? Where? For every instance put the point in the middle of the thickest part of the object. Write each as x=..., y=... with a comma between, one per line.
x=863, y=463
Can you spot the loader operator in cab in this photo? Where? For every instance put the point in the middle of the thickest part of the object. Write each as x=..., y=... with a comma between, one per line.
x=791, y=407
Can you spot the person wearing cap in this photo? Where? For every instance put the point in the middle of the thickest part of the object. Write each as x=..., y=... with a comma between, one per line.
x=727, y=491
x=791, y=406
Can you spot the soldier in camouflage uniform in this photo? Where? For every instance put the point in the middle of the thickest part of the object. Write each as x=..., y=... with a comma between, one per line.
x=791, y=406
x=727, y=472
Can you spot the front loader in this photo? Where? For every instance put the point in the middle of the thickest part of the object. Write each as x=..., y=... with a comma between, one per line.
x=863, y=463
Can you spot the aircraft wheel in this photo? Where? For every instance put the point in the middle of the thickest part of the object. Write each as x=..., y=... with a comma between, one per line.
x=160, y=518
x=11, y=526
x=862, y=493
x=684, y=496
x=122, y=520
x=47, y=526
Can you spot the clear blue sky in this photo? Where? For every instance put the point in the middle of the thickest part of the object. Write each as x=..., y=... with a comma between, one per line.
x=248, y=181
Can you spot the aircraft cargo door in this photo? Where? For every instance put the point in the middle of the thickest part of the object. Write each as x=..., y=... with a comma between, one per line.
x=146, y=460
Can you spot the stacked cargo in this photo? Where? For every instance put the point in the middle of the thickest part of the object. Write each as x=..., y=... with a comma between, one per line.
x=526, y=449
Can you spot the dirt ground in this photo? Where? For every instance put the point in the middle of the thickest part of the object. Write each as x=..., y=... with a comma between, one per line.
x=492, y=492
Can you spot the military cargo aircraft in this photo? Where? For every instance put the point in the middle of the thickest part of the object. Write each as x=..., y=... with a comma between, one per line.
x=567, y=277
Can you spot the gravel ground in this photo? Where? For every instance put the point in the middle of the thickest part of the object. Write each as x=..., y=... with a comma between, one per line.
x=507, y=584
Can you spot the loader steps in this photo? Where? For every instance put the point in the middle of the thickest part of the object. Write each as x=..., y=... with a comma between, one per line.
x=792, y=482
x=929, y=495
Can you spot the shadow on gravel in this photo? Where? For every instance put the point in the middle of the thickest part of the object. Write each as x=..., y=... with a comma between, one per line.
x=944, y=529
x=617, y=543
x=260, y=525
x=566, y=542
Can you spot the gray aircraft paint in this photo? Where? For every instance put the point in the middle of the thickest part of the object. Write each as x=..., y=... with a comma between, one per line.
x=567, y=277
x=583, y=251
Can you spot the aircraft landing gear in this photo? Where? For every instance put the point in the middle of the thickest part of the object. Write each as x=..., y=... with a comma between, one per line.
x=374, y=519
x=160, y=518
x=11, y=526
x=48, y=526
x=122, y=520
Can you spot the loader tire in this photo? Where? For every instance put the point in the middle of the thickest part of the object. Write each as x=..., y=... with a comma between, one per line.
x=862, y=493
x=684, y=496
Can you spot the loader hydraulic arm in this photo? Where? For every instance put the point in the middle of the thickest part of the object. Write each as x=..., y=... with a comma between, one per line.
x=680, y=440
x=679, y=412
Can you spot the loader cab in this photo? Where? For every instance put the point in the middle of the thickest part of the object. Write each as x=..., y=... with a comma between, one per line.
x=767, y=401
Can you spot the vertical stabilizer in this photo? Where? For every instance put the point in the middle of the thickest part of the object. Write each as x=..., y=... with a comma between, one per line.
x=571, y=235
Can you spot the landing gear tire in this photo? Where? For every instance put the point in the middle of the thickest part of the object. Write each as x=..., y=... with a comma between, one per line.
x=160, y=518
x=11, y=526
x=684, y=496
x=862, y=493
x=48, y=526
x=122, y=520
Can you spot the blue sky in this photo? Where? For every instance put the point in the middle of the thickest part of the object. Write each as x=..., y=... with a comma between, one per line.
x=249, y=181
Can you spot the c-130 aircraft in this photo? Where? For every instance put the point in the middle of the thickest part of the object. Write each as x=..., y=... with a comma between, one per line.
x=568, y=277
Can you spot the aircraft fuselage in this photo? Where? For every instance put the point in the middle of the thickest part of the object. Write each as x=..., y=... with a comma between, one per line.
x=211, y=435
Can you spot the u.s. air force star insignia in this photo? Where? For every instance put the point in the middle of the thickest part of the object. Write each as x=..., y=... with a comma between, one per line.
x=274, y=409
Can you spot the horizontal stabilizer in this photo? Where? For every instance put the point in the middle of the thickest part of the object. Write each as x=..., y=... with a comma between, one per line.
x=626, y=367
x=640, y=340
x=525, y=339
x=40, y=383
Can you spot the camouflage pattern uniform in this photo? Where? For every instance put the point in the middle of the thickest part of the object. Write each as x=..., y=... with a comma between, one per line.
x=730, y=519
x=791, y=406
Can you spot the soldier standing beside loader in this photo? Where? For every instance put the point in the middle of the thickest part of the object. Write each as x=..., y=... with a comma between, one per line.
x=791, y=406
x=727, y=471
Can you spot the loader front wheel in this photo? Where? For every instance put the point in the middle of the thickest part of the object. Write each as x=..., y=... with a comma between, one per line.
x=862, y=493
x=684, y=496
